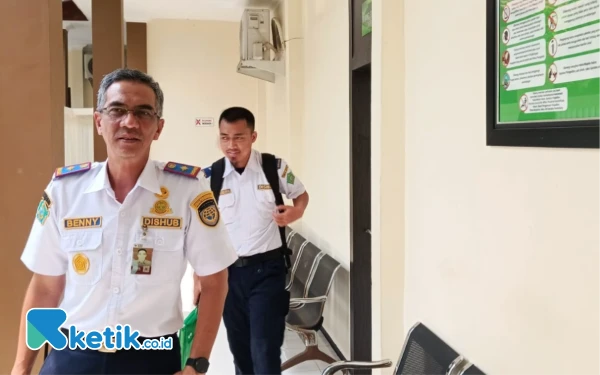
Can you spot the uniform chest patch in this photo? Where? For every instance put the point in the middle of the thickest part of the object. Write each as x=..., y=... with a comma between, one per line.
x=161, y=207
x=81, y=263
x=83, y=222
x=161, y=222
x=264, y=187
x=206, y=208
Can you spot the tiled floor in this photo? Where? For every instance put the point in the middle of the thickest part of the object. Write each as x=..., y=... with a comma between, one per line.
x=222, y=361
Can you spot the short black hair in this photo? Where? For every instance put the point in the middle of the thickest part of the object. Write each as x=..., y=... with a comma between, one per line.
x=234, y=114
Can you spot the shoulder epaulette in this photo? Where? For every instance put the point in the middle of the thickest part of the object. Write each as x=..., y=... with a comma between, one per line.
x=72, y=169
x=182, y=169
x=207, y=172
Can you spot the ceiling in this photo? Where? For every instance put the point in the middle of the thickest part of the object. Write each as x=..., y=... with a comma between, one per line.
x=146, y=10
x=80, y=32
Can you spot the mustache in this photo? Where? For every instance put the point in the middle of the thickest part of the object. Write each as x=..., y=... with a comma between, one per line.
x=128, y=135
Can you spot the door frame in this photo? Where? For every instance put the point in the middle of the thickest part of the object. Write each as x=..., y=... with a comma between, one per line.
x=360, y=260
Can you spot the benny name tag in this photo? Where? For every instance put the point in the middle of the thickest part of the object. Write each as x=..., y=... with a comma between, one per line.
x=83, y=222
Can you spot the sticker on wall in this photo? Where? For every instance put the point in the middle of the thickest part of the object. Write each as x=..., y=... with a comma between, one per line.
x=204, y=121
x=366, y=17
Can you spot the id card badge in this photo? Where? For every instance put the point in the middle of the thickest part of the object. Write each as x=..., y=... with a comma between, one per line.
x=141, y=263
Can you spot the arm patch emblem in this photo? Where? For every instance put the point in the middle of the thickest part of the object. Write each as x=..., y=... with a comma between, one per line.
x=291, y=178
x=43, y=210
x=206, y=208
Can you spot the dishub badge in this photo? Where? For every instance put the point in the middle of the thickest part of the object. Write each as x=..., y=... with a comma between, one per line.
x=161, y=206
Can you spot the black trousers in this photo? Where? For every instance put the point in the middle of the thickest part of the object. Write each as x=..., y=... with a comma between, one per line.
x=254, y=316
x=131, y=361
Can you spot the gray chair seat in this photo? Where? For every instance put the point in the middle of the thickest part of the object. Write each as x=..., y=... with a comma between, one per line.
x=306, y=317
x=424, y=353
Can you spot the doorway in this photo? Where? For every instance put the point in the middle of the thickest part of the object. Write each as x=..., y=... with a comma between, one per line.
x=360, y=188
x=360, y=257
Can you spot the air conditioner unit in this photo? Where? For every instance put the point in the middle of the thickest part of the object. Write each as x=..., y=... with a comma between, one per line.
x=88, y=63
x=257, y=29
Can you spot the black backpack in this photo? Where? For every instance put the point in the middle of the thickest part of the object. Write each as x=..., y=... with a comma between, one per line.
x=269, y=166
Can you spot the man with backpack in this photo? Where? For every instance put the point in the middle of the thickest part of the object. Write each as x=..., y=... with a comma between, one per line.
x=248, y=187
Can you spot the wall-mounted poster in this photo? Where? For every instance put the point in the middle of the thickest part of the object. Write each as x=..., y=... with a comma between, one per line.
x=546, y=73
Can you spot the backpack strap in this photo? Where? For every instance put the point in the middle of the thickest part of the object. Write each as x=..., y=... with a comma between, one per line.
x=216, y=177
x=270, y=165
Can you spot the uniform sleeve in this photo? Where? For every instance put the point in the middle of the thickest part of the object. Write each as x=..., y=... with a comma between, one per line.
x=208, y=246
x=42, y=253
x=289, y=184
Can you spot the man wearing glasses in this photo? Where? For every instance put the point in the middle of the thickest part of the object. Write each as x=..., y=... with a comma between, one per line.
x=92, y=222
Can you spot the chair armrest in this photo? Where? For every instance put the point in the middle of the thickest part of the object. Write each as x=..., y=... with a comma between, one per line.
x=354, y=365
x=296, y=303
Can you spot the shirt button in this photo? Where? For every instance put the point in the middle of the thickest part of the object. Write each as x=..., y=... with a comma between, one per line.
x=119, y=251
x=122, y=214
x=115, y=290
x=79, y=242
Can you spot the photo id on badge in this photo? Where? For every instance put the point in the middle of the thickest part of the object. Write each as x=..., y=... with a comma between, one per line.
x=142, y=260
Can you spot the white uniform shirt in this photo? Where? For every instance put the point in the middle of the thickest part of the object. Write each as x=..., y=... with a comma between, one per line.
x=84, y=232
x=247, y=204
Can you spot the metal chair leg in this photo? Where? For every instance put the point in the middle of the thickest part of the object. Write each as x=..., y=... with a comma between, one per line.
x=309, y=353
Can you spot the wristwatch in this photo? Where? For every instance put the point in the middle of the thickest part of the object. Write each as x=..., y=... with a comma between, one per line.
x=198, y=364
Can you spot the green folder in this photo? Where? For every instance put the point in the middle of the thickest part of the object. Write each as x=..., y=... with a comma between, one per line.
x=186, y=335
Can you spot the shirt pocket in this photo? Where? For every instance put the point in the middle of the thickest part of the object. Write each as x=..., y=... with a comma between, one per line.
x=84, y=252
x=227, y=207
x=168, y=261
x=266, y=203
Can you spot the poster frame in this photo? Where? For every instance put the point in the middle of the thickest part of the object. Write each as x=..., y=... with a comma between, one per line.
x=560, y=134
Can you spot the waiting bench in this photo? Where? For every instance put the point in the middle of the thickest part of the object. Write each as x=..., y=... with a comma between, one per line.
x=310, y=281
x=296, y=243
x=424, y=353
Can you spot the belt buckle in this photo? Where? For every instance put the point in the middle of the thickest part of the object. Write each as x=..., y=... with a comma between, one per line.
x=104, y=349
x=241, y=262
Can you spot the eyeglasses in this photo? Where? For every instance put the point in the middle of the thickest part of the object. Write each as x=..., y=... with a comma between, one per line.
x=119, y=113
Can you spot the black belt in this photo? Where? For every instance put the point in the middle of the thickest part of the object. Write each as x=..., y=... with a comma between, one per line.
x=258, y=258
